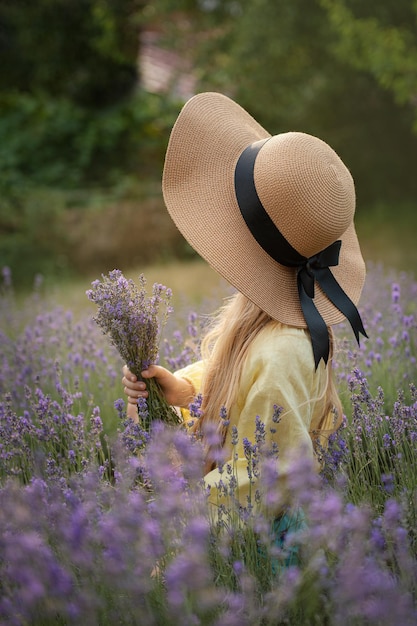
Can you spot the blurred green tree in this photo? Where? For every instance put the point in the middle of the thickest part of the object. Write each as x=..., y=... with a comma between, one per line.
x=290, y=55
x=379, y=38
x=82, y=50
x=72, y=118
x=71, y=113
x=342, y=69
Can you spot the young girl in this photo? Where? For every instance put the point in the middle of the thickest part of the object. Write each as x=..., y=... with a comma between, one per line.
x=274, y=216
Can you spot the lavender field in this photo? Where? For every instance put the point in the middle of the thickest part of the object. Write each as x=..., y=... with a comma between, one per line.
x=100, y=525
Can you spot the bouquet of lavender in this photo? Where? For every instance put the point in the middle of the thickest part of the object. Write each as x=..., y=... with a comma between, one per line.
x=134, y=324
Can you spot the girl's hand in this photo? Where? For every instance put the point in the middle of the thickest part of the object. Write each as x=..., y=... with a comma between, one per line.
x=177, y=391
x=133, y=387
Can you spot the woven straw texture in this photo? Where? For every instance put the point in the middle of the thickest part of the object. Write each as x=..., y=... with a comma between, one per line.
x=302, y=183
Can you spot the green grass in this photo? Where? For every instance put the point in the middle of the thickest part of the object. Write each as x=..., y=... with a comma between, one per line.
x=191, y=282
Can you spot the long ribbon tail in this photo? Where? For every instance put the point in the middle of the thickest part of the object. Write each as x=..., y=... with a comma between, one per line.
x=317, y=327
x=340, y=299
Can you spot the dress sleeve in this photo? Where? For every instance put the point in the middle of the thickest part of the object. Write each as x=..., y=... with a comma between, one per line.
x=194, y=374
x=281, y=372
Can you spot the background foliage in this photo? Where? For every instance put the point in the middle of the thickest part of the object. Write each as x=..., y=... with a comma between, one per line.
x=343, y=70
x=79, y=132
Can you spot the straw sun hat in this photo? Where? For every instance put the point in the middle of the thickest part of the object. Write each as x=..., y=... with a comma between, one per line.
x=270, y=214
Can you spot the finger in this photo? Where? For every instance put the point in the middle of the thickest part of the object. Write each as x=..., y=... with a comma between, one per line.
x=135, y=385
x=135, y=393
x=151, y=371
x=131, y=400
x=128, y=374
x=134, y=399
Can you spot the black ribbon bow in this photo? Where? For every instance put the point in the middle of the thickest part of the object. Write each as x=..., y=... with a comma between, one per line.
x=309, y=270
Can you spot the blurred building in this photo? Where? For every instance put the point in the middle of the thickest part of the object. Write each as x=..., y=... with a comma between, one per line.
x=163, y=70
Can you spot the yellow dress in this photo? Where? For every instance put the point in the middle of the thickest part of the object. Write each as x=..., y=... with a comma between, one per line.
x=279, y=370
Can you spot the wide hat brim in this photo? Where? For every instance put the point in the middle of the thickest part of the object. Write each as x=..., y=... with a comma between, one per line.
x=206, y=141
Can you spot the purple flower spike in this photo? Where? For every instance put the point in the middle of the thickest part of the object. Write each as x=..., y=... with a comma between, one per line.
x=133, y=321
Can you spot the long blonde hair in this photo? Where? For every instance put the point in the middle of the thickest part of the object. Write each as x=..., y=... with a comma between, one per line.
x=224, y=349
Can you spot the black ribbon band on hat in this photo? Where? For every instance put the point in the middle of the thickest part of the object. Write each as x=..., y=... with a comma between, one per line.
x=309, y=270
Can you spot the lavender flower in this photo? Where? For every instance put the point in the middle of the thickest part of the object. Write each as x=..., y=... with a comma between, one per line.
x=86, y=518
x=134, y=321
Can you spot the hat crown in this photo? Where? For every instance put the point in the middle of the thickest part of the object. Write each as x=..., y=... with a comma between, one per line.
x=306, y=189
